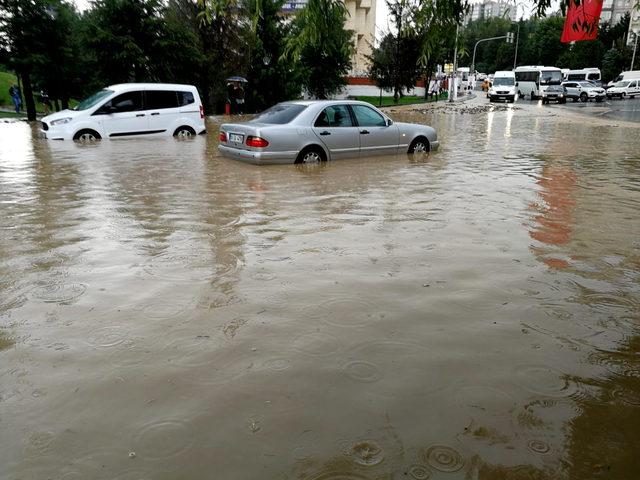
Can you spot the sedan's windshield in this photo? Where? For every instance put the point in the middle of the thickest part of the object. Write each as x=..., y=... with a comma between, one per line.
x=93, y=99
x=509, y=81
x=280, y=114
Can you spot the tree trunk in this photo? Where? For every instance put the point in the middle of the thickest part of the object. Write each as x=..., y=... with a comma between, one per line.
x=57, y=105
x=28, y=95
x=65, y=102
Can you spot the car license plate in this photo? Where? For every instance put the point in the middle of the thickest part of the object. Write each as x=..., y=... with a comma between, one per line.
x=236, y=138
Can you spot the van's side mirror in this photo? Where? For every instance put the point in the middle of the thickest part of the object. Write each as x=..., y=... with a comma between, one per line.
x=389, y=122
x=516, y=84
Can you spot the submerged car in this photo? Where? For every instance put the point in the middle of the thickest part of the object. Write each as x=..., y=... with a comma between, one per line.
x=554, y=93
x=130, y=110
x=313, y=131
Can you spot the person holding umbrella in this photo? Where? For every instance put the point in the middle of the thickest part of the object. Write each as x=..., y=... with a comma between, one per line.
x=235, y=94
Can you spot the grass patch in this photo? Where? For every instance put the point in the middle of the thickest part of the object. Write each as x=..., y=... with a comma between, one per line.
x=13, y=115
x=388, y=101
x=6, y=80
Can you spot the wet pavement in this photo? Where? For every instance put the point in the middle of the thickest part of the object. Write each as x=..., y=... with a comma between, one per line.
x=471, y=314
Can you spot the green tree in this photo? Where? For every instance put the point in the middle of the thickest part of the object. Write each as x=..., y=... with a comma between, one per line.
x=223, y=33
x=34, y=36
x=123, y=38
x=322, y=46
x=273, y=76
x=616, y=60
x=394, y=64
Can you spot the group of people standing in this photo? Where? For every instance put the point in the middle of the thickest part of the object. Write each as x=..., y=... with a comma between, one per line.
x=436, y=87
x=16, y=98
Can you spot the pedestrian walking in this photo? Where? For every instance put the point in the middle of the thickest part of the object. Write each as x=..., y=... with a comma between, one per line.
x=43, y=98
x=434, y=88
x=16, y=97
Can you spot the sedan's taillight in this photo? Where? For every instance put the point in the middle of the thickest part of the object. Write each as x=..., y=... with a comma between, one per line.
x=222, y=137
x=257, y=142
x=201, y=111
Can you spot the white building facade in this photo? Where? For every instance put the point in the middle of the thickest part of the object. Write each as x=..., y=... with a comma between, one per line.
x=361, y=19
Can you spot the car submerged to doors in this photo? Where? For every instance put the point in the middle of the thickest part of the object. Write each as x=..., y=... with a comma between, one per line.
x=128, y=110
x=313, y=131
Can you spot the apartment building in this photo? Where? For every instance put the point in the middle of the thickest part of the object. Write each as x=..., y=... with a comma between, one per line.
x=614, y=10
x=492, y=8
x=361, y=19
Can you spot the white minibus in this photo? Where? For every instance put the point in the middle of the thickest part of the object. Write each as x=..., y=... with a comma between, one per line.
x=533, y=80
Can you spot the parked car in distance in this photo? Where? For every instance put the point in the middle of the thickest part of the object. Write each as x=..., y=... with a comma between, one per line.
x=313, y=131
x=554, y=93
x=623, y=89
x=503, y=87
x=583, y=91
x=130, y=109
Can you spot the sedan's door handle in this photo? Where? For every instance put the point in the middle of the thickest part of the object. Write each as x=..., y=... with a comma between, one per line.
x=364, y=132
x=325, y=133
x=140, y=115
x=155, y=113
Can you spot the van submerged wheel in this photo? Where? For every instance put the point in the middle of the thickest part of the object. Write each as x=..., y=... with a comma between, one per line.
x=184, y=132
x=86, y=136
x=419, y=145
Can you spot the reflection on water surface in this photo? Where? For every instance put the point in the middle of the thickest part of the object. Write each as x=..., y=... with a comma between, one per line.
x=472, y=314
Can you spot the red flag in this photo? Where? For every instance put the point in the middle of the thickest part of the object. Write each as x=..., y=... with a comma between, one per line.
x=582, y=21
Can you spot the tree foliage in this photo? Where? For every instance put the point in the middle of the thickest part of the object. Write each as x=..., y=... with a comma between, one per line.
x=53, y=47
x=322, y=46
x=394, y=64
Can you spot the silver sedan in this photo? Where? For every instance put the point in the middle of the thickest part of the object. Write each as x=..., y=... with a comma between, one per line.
x=313, y=131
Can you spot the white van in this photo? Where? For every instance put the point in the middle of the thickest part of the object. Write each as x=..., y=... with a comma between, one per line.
x=503, y=87
x=585, y=74
x=628, y=75
x=130, y=109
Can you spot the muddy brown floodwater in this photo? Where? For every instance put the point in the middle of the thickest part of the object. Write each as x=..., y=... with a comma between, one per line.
x=166, y=313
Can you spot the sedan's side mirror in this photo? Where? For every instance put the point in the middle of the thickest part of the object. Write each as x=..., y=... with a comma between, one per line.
x=516, y=84
x=389, y=122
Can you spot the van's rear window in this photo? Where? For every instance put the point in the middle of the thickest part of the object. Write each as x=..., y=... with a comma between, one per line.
x=280, y=114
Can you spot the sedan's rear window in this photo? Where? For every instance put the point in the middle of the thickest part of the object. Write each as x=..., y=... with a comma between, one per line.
x=280, y=114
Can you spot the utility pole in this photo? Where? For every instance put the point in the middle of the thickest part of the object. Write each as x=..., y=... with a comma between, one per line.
x=635, y=46
x=515, y=56
x=455, y=67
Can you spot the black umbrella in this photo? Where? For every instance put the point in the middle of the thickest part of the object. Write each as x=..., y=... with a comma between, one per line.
x=237, y=79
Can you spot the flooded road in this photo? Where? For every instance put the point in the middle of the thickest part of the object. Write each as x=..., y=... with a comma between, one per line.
x=473, y=314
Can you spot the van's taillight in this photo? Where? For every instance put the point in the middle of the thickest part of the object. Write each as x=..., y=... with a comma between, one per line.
x=257, y=142
x=222, y=137
x=201, y=111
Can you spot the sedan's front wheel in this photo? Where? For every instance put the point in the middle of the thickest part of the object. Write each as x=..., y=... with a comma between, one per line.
x=311, y=155
x=419, y=145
